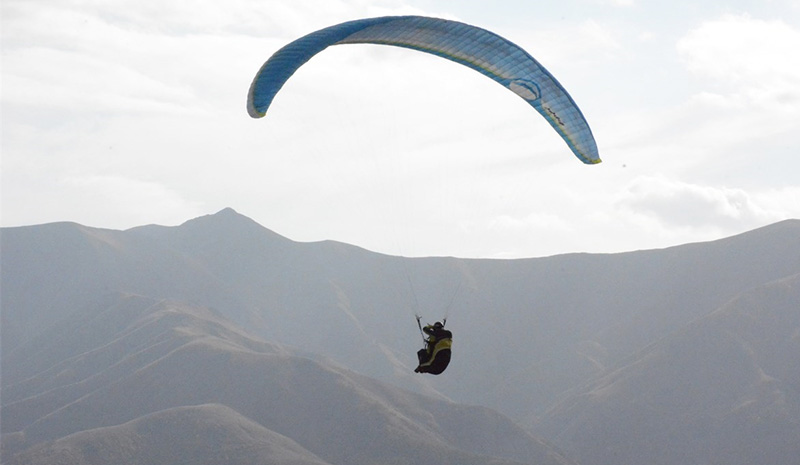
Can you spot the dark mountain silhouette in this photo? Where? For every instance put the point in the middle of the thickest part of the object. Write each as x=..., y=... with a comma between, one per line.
x=137, y=380
x=723, y=390
x=530, y=335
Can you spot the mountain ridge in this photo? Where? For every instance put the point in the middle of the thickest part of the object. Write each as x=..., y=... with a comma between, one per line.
x=608, y=305
x=529, y=334
x=184, y=356
x=734, y=372
x=155, y=437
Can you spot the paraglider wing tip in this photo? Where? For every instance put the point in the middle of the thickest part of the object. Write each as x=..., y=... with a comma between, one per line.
x=253, y=112
x=588, y=157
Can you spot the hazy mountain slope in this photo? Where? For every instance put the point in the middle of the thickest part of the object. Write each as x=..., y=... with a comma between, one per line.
x=109, y=366
x=100, y=346
x=525, y=330
x=724, y=390
x=51, y=270
x=202, y=434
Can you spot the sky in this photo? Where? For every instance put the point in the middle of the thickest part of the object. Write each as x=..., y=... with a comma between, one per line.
x=121, y=113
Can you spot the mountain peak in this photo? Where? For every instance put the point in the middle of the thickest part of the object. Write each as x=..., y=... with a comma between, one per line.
x=228, y=222
x=228, y=212
x=227, y=215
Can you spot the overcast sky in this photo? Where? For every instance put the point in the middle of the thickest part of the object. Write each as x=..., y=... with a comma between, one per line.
x=121, y=113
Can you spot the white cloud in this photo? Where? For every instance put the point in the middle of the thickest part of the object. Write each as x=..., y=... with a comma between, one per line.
x=124, y=200
x=684, y=205
x=561, y=46
x=622, y=3
x=748, y=58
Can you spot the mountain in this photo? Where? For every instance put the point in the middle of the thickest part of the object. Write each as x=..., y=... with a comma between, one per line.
x=192, y=434
x=533, y=338
x=139, y=380
x=723, y=390
x=525, y=330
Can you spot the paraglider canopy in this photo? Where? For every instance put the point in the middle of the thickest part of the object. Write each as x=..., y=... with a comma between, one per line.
x=476, y=48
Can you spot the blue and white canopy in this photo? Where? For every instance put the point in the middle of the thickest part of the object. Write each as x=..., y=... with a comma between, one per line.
x=477, y=48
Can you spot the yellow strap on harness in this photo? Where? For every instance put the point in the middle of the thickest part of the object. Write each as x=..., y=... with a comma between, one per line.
x=440, y=345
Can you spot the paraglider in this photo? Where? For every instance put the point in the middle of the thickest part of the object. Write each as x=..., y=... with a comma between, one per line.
x=476, y=48
x=479, y=49
x=435, y=356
